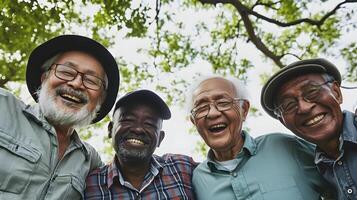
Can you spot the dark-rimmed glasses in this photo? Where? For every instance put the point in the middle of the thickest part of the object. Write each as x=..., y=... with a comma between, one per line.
x=310, y=93
x=220, y=105
x=67, y=73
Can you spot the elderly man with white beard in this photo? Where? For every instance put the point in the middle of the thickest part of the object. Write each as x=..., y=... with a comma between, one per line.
x=75, y=81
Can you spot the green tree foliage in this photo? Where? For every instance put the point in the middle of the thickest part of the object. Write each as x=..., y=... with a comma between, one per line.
x=25, y=24
x=278, y=30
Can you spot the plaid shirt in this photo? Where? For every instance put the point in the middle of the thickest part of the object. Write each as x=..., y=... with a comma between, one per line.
x=169, y=177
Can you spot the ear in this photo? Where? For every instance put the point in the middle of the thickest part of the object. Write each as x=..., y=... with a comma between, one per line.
x=43, y=76
x=161, y=137
x=336, y=91
x=282, y=121
x=110, y=129
x=245, y=109
x=192, y=120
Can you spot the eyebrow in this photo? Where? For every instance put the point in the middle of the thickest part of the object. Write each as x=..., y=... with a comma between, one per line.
x=88, y=71
x=215, y=97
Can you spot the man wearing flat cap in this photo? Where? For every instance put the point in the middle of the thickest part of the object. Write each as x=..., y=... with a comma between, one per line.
x=135, y=172
x=74, y=81
x=305, y=96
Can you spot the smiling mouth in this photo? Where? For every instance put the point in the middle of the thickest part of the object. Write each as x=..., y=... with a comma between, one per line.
x=72, y=98
x=314, y=120
x=217, y=127
x=135, y=141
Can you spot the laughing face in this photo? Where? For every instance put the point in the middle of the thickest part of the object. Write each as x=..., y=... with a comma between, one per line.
x=136, y=132
x=221, y=130
x=61, y=100
x=318, y=121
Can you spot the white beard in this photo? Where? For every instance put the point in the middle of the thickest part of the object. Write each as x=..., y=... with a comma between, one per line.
x=62, y=116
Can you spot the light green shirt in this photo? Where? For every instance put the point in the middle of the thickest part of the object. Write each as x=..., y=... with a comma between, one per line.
x=270, y=167
x=29, y=165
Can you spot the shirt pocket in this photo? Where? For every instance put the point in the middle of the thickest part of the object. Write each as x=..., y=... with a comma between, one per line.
x=18, y=162
x=67, y=186
x=280, y=187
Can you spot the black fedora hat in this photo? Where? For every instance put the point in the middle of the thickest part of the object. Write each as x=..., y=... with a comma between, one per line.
x=146, y=96
x=317, y=65
x=65, y=43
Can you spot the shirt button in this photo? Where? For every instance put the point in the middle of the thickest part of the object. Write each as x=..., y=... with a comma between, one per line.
x=349, y=191
x=339, y=162
x=234, y=174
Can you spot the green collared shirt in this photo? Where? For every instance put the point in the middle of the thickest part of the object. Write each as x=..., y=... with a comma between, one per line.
x=29, y=167
x=270, y=167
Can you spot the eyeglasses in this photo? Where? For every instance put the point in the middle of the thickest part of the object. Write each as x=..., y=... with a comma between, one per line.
x=220, y=104
x=310, y=93
x=67, y=73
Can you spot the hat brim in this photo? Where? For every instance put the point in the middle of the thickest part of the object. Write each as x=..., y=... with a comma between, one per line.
x=148, y=97
x=65, y=43
x=292, y=71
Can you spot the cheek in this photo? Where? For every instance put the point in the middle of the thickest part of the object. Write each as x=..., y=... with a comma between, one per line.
x=200, y=126
x=94, y=95
x=289, y=123
x=95, y=98
x=235, y=119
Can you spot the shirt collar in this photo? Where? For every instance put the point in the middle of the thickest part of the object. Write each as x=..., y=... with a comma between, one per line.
x=36, y=114
x=249, y=148
x=349, y=131
x=114, y=171
x=348, y=134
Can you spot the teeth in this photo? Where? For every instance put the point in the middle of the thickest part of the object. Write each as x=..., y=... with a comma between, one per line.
x=219, y=126
x=314, y=120
x=135, y=141
x=71, y=97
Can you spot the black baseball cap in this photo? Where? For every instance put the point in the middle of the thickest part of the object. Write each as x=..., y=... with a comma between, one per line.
x=65, y=43
x=145, y=96
x=271, y=87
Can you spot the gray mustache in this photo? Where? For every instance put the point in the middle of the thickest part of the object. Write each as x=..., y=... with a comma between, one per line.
x=66, y=90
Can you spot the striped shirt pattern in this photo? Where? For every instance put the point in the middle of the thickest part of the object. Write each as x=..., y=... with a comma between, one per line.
x=169, y=177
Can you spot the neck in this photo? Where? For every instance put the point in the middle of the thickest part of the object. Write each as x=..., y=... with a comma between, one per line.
x=63, y=139
x=134, y=171
x=331, y=148
x=229, y=154
x=63, y=131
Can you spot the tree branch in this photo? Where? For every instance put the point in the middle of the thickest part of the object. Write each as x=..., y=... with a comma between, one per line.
x=299, y=21
x=250, y=30
x=244, y=12
x=3, y=82
x=269, y=5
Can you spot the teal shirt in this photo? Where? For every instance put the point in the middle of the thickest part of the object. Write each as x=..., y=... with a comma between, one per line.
x=270, y=167
x=29, y=165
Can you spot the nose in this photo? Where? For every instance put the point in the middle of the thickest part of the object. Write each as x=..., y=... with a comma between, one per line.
x=213, y=112
x=137, y=128
x=77, y=82
x=304, y=106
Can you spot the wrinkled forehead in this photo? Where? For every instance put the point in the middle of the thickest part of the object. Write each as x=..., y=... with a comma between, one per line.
x=300, y=81
x=139, y=107
x=214, y=88
x=83, y=61
x=138, y=111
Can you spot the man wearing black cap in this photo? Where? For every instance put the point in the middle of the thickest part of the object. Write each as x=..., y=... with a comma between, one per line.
x=75, y=81
x=305, y=96
x=135, y=172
